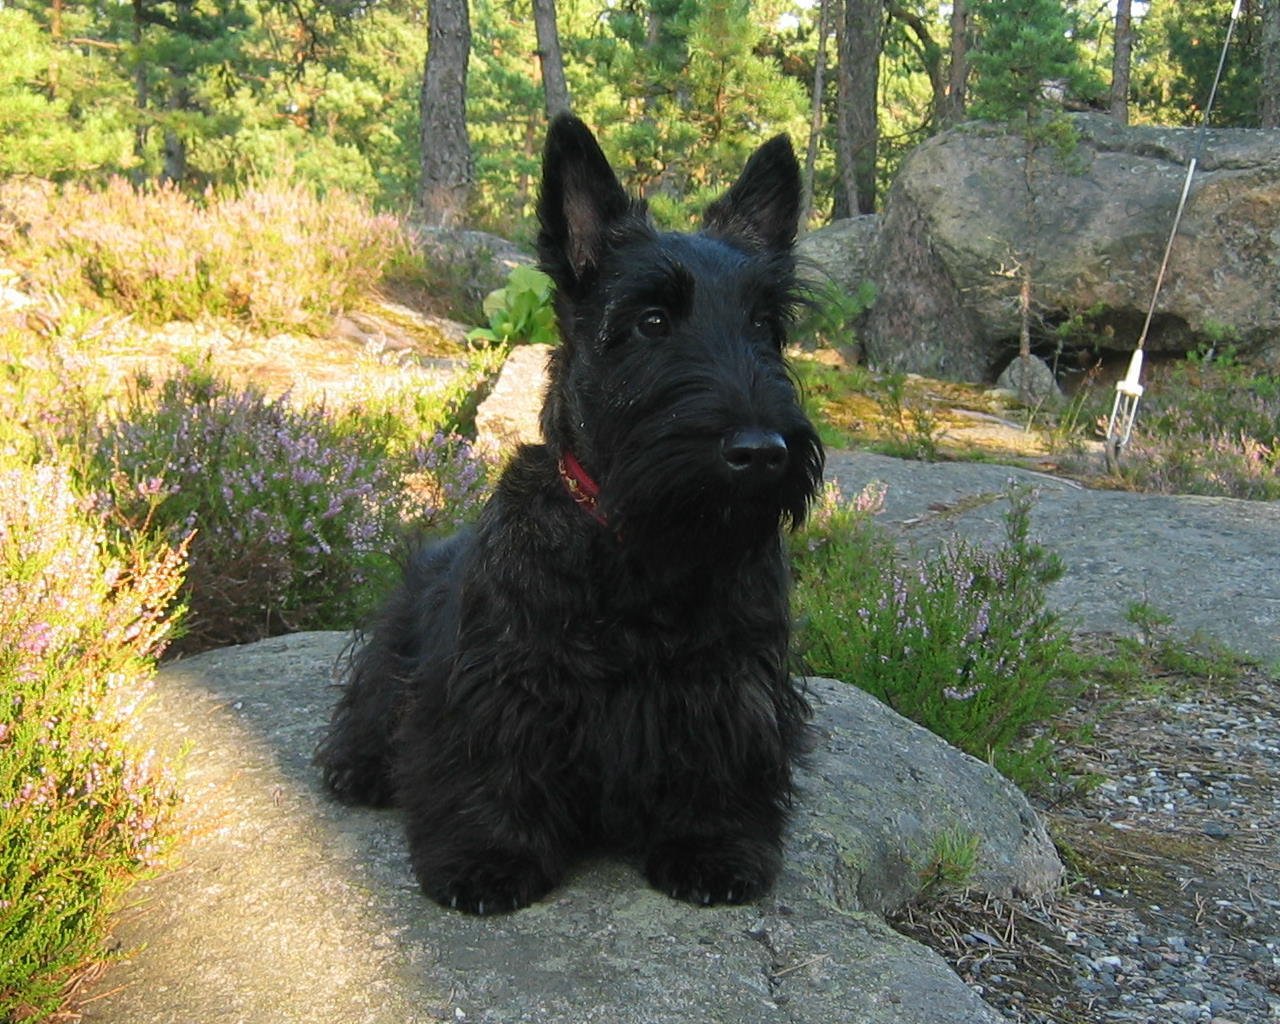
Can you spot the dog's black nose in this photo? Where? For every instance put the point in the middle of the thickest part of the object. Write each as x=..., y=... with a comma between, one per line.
x=754, y=455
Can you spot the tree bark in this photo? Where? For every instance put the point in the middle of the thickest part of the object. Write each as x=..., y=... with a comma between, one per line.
x=857, y=125
x=815, y=116
x=958, y=75
x=445, y=182
x=1120, y=62
x=1269, y=104
x=140, y=97
x=550, y=58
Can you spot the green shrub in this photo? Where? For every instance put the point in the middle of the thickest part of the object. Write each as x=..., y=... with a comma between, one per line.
x=827, y=318
x=81, y=807
x=961, y=643
x=912, y=430
x=295, y=512
x=275, y=258
x=519, y=313
x=948, y=863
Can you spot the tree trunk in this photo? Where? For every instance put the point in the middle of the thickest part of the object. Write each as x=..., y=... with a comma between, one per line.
x=175, y=148
x=180, y=98
x=445, y=182
x=1269, y=105
x=1120, y=62
x=815, y=116
x=55, y=32
x=140, y=98
x=958, y=76
x=857, y=127
x=550, y=58
x=930, y=55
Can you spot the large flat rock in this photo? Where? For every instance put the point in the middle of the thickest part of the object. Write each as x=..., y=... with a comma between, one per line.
x=284, y=906
x=1212, y=564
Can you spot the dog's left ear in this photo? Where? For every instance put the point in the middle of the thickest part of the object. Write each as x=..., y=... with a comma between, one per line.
x=580, y=200
x=762, y=209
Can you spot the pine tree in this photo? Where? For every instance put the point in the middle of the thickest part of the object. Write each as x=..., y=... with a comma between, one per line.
x=1121, y=61
x=1023, y=47
x=58, y=117
x=1182, y=43
x=858, y=125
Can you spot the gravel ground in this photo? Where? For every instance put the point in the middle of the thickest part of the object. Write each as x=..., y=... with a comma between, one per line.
x=1174, y=914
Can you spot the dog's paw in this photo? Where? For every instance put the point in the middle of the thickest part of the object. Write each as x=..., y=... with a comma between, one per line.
x=716, y=871
x=364, y=781
x=488, y=883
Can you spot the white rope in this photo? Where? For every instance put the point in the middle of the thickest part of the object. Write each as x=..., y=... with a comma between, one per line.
x=1125, y=409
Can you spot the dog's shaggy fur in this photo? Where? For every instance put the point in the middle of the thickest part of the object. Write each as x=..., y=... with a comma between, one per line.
x=603, y=660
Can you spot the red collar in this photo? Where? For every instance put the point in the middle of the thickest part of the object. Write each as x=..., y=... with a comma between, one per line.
x=584, y=491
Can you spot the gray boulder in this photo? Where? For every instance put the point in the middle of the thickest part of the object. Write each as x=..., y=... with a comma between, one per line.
x=839, y=253
x=1030, y=380
x=508, y=416
x=958, y=224
x=285, y=906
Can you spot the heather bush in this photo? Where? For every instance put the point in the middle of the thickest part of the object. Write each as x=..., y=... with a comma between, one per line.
x=960, y=642
x=82, y=807
x=294, y=511
x=274, y=258
x=1208, y=426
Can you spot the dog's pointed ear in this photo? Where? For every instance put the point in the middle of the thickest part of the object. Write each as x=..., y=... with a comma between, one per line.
x=762, y=208
x=579, y=201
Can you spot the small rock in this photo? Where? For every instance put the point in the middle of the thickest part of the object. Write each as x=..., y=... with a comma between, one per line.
x=1031, y=379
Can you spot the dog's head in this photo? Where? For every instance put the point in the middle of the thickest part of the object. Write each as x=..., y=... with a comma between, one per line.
x=670, y=385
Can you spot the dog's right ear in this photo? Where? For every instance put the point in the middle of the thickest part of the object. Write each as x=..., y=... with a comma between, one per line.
x=580, y=199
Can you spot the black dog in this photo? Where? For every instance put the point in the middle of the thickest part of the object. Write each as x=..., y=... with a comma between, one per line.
x=602, y=661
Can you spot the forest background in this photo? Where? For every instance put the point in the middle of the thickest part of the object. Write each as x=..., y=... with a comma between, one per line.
x=221, y=94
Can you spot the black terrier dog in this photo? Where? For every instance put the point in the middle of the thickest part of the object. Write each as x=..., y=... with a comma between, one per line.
x=602, y=661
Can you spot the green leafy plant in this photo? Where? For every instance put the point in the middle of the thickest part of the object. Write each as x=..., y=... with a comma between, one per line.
x=1158, y=657
x=519, y=313
x=961, y=642
x=82, y=806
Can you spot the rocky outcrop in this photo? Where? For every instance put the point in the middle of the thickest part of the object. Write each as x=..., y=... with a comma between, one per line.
x=475, y=262
x=286, y=906
x=508, y=416
x=964, y=217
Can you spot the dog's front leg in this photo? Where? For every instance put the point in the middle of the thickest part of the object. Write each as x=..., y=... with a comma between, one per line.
x=489, y=817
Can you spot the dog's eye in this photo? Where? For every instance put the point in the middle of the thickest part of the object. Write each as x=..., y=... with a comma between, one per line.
x=654, y=323
x=767, y=326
